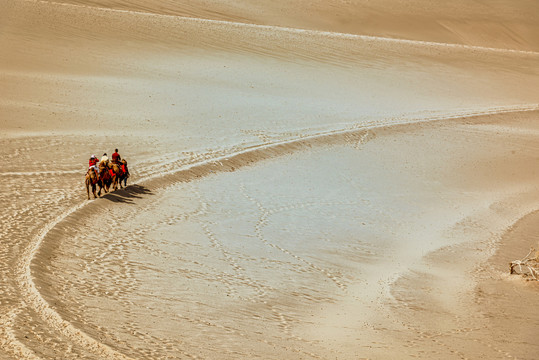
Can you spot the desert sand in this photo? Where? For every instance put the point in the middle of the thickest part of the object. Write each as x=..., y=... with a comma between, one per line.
x=310, y=180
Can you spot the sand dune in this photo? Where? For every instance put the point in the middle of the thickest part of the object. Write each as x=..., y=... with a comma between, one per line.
x=309, y=179
x=499, y=24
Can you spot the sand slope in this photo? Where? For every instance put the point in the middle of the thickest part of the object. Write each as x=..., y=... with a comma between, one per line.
x=498, y=24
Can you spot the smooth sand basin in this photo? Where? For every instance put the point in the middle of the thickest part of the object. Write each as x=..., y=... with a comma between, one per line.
x=283, y=203
x=356, y=249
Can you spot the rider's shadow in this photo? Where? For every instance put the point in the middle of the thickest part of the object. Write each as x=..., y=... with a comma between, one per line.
x=128, y=194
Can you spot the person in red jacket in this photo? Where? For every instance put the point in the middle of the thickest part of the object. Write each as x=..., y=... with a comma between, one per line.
x=116, y=157
x=92, y=163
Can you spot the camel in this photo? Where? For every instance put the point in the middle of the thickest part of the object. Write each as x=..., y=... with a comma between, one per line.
x=105, y=177
x=104, y=180
x=125, y=174
x=119, y=173
x=110, y=175
x=91, y=180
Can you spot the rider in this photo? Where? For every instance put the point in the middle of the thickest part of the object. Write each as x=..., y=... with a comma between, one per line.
x=116, y=157
x=92, y=163
x=104, y=158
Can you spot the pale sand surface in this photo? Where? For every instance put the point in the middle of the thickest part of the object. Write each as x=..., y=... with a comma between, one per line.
x=297, y=193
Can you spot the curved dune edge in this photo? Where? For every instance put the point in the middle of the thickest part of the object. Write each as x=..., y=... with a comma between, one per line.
x=253, y=154
x=35, y=300
x=18, y=349
x=308, y=32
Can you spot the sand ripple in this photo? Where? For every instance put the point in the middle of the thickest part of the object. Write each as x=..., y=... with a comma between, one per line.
x=123, y=272
x=299, y=189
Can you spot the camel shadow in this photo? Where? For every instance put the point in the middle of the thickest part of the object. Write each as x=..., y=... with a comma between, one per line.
x=128, y=194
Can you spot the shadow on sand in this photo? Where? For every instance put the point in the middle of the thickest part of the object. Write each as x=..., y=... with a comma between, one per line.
x=127, y=194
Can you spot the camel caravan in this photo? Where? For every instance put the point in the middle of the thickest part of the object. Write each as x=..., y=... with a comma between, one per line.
x=106, y=174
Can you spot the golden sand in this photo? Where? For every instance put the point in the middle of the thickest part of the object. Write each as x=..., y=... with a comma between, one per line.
x=309, y=179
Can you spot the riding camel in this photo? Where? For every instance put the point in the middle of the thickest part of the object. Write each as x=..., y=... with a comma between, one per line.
x=105, y=176
x=119, y=172
x=92, y=181
x=103, y=180
x=110, y=175
x=126, y=174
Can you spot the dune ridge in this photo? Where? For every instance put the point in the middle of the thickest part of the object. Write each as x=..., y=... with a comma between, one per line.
x=237, y=159
x=307, y=32
x=502, y=24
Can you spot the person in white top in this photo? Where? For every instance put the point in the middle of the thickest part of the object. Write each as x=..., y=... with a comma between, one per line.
x=105, y=158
